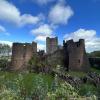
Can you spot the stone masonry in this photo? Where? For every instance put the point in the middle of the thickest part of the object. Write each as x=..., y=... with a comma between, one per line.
x=71, y=56
x=21, y=54
x=51, y=45
x=75, y=55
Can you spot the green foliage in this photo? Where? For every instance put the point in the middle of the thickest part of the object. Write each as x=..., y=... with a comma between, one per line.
x=40, y=88
x=95, y=70
x=36, y=63
x=8, y=94
x=32, y=86
x=94, y=54
x=64, y=91
x=77, y=74
x=5, y=49
x=3, y=64
x=24, y=86
x=33, y=63
x=87, y=90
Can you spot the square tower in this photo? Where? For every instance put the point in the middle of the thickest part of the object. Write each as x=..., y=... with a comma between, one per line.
x=51, y=45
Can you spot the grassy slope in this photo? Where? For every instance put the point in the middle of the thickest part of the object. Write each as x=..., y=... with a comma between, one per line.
x=28, y=79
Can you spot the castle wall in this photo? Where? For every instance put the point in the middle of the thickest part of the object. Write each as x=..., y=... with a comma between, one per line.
x=21, y=54
x=51, y=45
x=72, y=56
x=56, y=58
x=77, y=56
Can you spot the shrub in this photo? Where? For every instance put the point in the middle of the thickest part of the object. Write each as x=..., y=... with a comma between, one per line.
x=87, y=90
x=3, y=64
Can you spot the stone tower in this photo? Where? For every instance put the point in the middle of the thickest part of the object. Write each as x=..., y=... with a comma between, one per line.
x=51, y=45
x=75, y=55
x=21, y=54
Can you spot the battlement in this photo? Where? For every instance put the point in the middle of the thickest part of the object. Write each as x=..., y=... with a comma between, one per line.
x=71, y=43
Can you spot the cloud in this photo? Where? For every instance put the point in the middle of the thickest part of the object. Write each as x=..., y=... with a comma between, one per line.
x=43, y=29
x=43, y=2
x=60, y=13
x=10, y=13
x=40, y=38
x=41, y=47
x=6, y=42
x=92, y=42
x=2, y=29
x=42, y=32
x=29, y=19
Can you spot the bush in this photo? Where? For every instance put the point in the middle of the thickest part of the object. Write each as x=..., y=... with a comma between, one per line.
x=63, y=91
x=33, y=86
x=3, y=64
x=87, y=90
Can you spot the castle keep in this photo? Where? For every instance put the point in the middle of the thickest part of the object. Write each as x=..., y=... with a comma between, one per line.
x=21, y=54
x=51, y=45
x=71, y=56
x=75, y=57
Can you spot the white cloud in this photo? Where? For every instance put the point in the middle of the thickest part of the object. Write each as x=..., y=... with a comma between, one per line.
x=43, y=29
x=2, y=29
x=60, y=13
x=42, y=32
x=10, y=13
x=6, y=42
x=92, y=42
x=41, y=47
x=43, y=2
x=28, y=19
x=40, y=38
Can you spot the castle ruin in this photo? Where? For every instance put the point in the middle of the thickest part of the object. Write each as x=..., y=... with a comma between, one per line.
x=21, y=54
x=51, y=45
x=75, y=57
x=71, y=56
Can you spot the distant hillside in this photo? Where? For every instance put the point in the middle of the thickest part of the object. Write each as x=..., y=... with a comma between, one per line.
x=94, y=54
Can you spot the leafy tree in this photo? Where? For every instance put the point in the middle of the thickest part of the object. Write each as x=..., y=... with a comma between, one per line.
x=94, y=54
x=5, y=49
x=3, y=64
x=37, y=63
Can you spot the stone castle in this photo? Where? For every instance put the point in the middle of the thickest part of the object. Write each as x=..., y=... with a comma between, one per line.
x=72, y=55
x=51, y=44
x=21, y=54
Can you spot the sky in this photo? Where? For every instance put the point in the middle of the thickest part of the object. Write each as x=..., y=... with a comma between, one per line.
x=34, y=20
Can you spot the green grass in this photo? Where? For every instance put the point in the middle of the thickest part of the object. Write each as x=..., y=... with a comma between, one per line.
x=82, y=74
x=77, y=74
x=28, y=79
x=95, y=70
x=29, y=82
x=87, y=89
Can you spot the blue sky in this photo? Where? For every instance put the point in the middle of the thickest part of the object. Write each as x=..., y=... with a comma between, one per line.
x=34, y=20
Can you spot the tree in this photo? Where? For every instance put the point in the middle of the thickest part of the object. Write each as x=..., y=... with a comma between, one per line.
x=94, y=54
x=5, y=49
